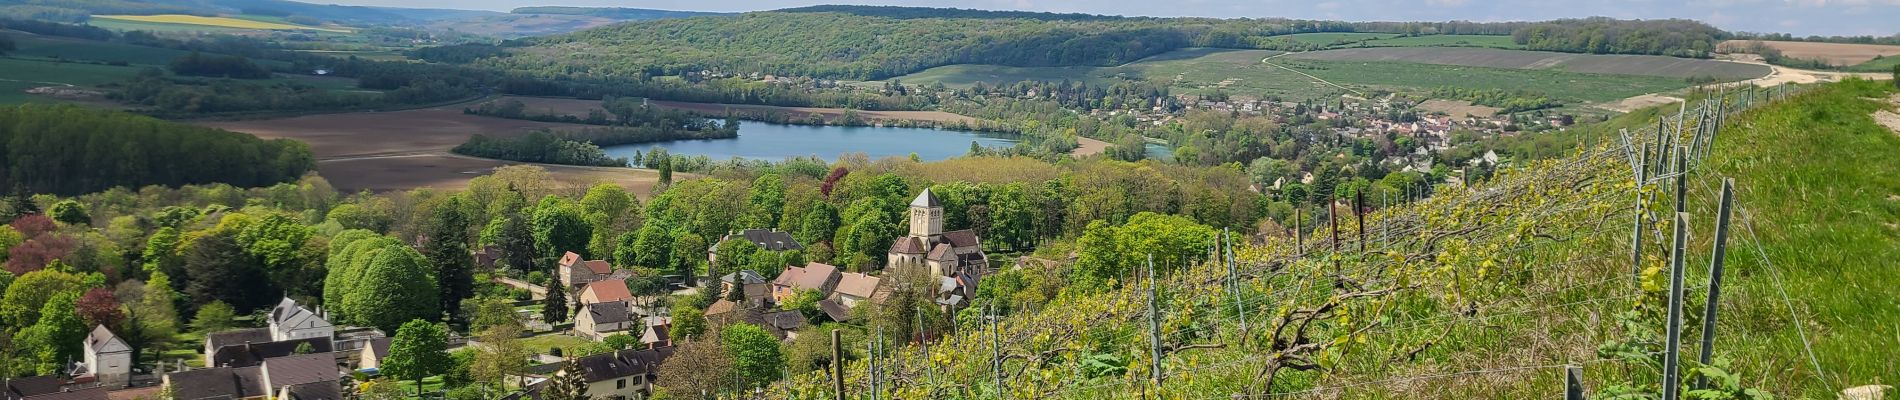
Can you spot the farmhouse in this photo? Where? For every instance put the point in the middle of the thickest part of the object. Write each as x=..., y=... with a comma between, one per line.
x=604, y=291
x=371, y=356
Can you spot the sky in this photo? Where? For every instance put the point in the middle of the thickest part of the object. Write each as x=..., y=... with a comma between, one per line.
x=1799, y=17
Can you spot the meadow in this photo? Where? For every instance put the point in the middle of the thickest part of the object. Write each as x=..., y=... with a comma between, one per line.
x=52, y=47
x=1241, y=72
x=18, y=75
x=1357, y=39
x=1517, y=59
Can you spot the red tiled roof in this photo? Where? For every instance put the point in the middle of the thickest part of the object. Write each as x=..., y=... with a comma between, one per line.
x=813, y=276
x=570, y=258
x=962, y=238
x=907, y=245
x=608, y=290
x=600, y=267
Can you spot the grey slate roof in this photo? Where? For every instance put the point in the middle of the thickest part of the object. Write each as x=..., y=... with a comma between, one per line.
x=237, y=336
x=245, y=355
x=621, y=364
x=218, y=383
x=926, y=199
x=769, y=239
x=609, y=312
x=301, y=369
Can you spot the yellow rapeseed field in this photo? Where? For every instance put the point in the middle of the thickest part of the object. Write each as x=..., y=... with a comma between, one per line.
x=226, y=22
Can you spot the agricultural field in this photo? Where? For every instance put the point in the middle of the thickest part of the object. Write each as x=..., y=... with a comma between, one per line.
x=1517, y=59
x=1327, y=38
x=191, y=21
x=1241, y=72
x=580, y=108
x=1393, y=40
x=1839, y=54
x=1457, y=108
x=402, y=150
x=19, y=75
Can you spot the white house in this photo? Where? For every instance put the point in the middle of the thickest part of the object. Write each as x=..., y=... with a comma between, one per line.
x=289, y=321
x=108, y=359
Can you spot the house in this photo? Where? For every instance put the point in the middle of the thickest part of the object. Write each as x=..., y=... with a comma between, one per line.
x=658, y=332
x=372, y=354
x=944, y=254
x=301, y=377
x=245, y=354
x=600, y=320
x=575, y=272
x=605, y=291
x=755, y=288
x=289, y=321
x=46, y=388
x=854, y=289
x=622, y=374
x=108, y=359
x=767, y=239
x=818, y=277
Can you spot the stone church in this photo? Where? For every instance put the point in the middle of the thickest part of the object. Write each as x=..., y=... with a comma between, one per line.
x=955, y=259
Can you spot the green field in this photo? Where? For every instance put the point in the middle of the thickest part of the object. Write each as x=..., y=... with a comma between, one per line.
x=1327, y=38
x=92, y=50
x=1561, y=85
x=1240, y=72
x=1883, y=64
x=1502, y=42
x=18, y=75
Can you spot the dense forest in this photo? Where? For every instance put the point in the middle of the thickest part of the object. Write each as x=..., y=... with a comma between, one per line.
x=70, y=150
x=198, y=64
x=1670, y=37
x=539, y=147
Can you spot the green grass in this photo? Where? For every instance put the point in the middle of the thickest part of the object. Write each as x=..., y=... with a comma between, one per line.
x=1240, y=72
x=129, y=25
x=1814, y=175
x=1502, y=42
x=541, y=344
x=18, y=75
x=92, y=50
x=429, y=385
x=1883, y=64
x=1327, y=38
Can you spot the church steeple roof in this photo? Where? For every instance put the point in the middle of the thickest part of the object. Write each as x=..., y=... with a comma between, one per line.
x=926, y=200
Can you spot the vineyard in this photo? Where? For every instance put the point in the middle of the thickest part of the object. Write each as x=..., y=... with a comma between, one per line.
x=1556, y=275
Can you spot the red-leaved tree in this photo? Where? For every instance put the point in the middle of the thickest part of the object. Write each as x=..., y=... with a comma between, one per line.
x=98, y=307
x=832, y=180
x=34, y=225
x=34, y=254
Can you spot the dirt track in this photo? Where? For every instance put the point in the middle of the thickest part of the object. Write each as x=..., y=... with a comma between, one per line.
x=1841, y=54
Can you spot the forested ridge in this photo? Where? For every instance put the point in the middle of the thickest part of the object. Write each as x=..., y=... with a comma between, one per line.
x=69, y=150
x=869, y=42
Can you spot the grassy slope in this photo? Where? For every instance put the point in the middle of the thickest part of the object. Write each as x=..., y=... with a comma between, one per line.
x=1816, y=177
x=1240, y=72
x=18, y=75
x=92, y=50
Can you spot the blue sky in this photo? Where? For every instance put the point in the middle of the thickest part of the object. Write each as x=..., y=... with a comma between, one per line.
x=1800, y=17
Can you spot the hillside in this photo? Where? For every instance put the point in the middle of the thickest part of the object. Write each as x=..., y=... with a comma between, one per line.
x=855, y=42
x=1482, y=293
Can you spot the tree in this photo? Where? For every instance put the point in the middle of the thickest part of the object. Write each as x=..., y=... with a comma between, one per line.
x=517, y=243
x=98, y=307
x=397, y=286
x=767, y=202
x=733, y=255
x=419, y=350
x=447, y=250
x=554, y=309
x=651, y=246
x=755, y=353
x=1896, y=76
x=568, y=384
x=1109, y=252
x=820, y=223
x=689, y=252
x=501, y=353
x=666, y=171
x=559, y=227
x=57, y=335
x=161, y=252
x=696, y=368
x=688, y=323
x=70, y=212
x=29, y=293
x=214, y=317
x=217, y=269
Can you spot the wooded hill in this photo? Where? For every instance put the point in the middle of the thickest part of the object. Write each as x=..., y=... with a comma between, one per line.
x=860, y=42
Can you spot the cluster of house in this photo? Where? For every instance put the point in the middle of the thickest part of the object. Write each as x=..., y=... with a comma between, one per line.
x=294, y=358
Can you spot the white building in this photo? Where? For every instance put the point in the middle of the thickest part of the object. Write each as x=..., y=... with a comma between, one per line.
x=108, y=359
x=289, y=321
